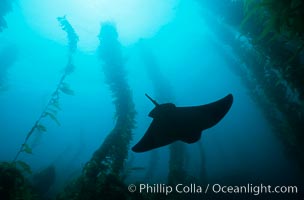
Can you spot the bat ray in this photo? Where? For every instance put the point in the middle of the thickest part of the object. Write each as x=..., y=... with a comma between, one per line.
x=171, y=123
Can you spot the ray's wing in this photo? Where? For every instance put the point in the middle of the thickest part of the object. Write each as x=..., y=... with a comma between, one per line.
x=156, y=136
x=191, y=121
x=214, y=112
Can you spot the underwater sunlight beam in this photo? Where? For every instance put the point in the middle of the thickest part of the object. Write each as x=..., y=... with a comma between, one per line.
x=86, y=15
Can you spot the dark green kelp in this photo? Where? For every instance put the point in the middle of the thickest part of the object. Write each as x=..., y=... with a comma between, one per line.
x=269, y=62
x=13, y=184
x=116, y=145
x=101, y=177
x=277, y=65
x=53, y=106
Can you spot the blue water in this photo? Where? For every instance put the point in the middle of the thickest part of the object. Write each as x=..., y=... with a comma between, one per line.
x=242, y=143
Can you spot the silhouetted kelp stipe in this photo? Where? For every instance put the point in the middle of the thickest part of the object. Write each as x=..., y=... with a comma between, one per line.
x=171, y=123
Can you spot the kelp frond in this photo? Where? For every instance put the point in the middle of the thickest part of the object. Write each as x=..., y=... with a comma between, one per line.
x=52, y=107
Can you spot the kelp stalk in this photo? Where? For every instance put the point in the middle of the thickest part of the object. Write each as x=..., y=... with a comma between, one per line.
x=53, y=106
x=102, y=174
x=114, y=150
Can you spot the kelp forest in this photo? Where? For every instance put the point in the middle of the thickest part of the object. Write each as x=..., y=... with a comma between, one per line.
x=262, y=42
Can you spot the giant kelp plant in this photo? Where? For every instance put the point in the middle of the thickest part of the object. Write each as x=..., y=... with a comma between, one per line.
x=13, y=184
x=8, y=56
x=280, y=36
x=269, y=61
x=9, y=53
x=5, y=7
x=116, y=145
x=101, y=175
x=279, y=68
x=53, y=106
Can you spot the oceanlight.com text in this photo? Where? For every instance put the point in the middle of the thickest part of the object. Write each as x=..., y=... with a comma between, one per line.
x=254, y=189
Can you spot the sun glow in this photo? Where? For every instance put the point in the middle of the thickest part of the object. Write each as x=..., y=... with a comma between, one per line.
x=134, y=18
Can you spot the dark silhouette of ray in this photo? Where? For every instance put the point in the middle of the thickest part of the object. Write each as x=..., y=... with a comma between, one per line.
x=171, y=123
